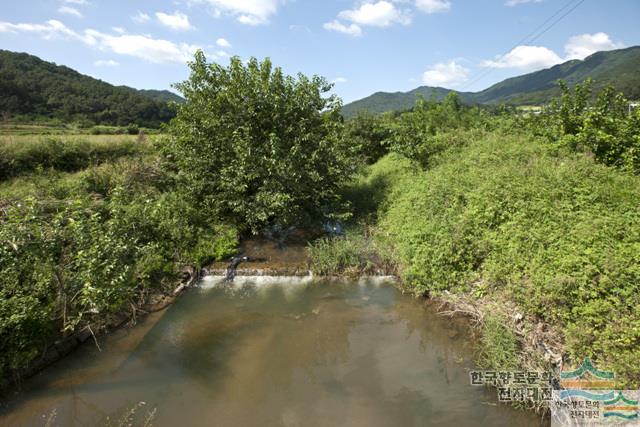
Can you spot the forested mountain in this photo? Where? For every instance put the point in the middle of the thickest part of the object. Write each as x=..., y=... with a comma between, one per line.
x=35, y=89
x=381, y=102
x=617, y=67
x=160, y=95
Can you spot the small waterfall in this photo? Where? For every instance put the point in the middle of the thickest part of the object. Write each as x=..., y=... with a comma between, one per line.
x=211, y=281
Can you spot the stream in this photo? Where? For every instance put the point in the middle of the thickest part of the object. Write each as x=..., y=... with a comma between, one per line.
x=272, y=352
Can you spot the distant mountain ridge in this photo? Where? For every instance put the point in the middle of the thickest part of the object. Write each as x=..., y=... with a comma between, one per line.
x=159, y=95
x=35, y=89
x=620, y=68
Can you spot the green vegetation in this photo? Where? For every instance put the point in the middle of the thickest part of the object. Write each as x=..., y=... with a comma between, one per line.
x=21, y=155
x=259, y=147
x=617, y=68
x=350, y=255
x=518, y=211
x=94, y=226
x=600, y=127
x=498, y=345
x=33, y=89
x=91, y=244
x=538, y=213
x=366, y=133
x=559, y=236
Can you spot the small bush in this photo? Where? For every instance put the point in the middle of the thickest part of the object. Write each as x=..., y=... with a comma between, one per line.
x=215, y=244
x=352, y=254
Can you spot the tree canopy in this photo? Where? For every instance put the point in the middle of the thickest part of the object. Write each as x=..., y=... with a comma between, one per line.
x=258, y=146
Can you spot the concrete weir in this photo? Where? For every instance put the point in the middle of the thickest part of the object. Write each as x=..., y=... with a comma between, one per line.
x=261, y=280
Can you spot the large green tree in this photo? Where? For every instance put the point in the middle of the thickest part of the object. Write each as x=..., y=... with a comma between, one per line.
x=258, y=146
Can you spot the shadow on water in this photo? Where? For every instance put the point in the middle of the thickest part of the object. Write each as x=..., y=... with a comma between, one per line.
x=256, y=352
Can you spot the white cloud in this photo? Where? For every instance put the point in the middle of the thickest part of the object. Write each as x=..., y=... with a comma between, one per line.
x=80, y=2
x=178, y=21
x=106, y=63
x=223, y=43
x=119, y=30
x=339, y=80
x=526, y=58
x=382, y=13
x=144, y=47
x=70, y=11
x=250, y=20
x=379, y=14
x=352, y=29
x=49, y=30
x=446, y=74
x=583, y=45
x=512, y=3
x=140, y=17
x=250, y=12
x=532, y=58
x=139, y=46
x=433, y=6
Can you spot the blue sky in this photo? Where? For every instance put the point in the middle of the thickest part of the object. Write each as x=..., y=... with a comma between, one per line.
x=363, y=45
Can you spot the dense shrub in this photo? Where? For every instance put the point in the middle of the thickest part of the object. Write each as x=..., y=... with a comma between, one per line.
x=559, y=235
x=601, y=125
x=259, y=147
x=368, y=134
x=70, y=259
x=417, y=134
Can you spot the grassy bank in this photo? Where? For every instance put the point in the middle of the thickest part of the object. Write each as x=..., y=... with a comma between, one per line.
x=504, y=222
x=78, y=248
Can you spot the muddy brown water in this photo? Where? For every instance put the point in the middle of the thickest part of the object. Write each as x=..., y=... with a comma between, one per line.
x=272, y=352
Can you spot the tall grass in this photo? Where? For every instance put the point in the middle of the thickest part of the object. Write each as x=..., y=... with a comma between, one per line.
x=21, y=155
x=352, y=254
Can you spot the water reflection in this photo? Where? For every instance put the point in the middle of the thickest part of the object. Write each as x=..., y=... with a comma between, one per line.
x=263, y=353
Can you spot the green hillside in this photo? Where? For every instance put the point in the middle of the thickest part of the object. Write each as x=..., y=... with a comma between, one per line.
x=33, y=89
x=160, y=95
x=617, y=67
x=381, y=102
